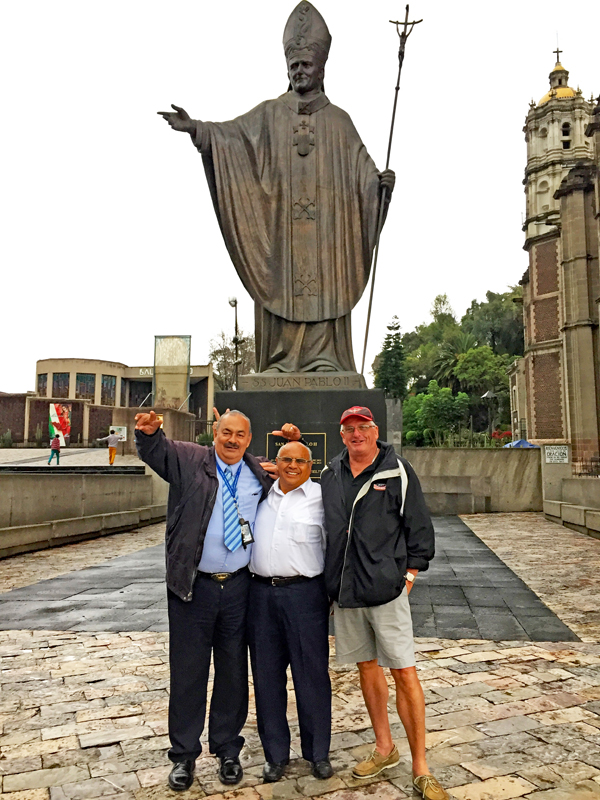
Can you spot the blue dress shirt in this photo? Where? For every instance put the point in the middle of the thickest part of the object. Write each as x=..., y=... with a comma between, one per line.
x=215, y=556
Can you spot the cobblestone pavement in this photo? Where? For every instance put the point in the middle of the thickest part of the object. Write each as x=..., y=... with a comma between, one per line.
x=83, y=715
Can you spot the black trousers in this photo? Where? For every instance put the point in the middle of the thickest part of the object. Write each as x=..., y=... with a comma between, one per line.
x=288, y=626
x=214, y=621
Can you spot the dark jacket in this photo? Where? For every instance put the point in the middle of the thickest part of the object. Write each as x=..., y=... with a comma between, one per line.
x=191, y=471
x=388, y=532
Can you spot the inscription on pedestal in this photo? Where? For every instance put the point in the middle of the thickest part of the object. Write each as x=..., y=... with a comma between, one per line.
x=302, y=380
x=318, y=447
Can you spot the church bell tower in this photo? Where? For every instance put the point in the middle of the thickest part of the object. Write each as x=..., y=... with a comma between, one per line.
x=555, y=132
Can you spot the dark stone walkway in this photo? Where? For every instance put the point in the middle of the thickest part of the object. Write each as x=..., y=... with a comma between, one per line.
x=466, y=593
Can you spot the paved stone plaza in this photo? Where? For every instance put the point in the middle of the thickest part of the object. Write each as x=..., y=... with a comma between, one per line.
x=512, y=683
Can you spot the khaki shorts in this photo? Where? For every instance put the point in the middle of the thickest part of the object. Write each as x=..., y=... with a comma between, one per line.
x=381, y=632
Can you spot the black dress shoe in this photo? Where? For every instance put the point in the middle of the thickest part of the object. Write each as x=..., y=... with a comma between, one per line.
x=273, y=770
x=230, y=771
x=182, y=775
x=322, y=769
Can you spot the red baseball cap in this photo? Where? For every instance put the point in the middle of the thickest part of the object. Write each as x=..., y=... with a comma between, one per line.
x=357, y=411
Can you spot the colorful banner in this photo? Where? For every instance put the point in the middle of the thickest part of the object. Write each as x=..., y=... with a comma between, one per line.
x=59, y=421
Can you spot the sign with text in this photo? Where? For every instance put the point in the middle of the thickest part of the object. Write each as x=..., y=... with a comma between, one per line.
x=557, y=454
x=317, y=443
x=120, y=430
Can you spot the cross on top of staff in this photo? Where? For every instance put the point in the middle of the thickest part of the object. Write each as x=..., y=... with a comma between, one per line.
x=405, y=33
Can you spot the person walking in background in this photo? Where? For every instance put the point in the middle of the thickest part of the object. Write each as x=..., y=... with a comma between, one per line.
x=55, y=449
x=112, y=439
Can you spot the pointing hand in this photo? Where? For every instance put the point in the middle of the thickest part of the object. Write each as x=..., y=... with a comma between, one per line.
x=289, y=431
x=180, y=120
x=147, y=423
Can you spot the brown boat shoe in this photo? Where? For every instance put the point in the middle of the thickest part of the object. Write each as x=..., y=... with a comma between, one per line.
x=376, y=763
x=429, y=788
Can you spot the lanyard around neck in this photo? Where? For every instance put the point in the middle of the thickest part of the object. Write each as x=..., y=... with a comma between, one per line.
x=231, y=487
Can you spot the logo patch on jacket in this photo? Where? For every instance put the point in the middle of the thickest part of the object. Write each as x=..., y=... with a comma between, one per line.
x=380, y=486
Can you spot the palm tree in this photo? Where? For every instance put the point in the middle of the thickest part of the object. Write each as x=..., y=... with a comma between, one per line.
x=457, y=343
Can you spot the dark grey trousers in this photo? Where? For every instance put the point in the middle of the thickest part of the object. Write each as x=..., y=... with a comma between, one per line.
x=213, y=622
x=288, y=626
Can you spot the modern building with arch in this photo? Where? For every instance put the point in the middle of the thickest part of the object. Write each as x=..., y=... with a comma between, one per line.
x=97, y=392
x=115, y=385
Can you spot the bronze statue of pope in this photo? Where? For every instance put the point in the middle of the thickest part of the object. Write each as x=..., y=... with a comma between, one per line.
x=297, y=199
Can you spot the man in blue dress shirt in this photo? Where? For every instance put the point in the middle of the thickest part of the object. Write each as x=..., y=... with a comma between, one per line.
x=213, y=498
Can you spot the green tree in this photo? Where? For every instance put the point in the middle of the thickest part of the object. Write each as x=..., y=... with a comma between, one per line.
x=480, y=369
x=447, y=357
x=497, y=322
x=422, y=345
x=433, y=414
x=222, y=356
x=413, y=426
x=441, y=411
x=389, y=367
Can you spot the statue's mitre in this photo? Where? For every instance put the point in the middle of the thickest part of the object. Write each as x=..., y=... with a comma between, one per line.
x=306, y=30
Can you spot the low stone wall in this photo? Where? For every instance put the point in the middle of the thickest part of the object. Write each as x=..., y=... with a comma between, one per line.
x=27, y=499
x=575, y=503
x=43, y=510
x=581, y=492
x=478, y=480
x=576, y=517
x=24, y=538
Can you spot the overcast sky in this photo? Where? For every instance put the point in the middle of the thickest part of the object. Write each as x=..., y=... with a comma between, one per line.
x=108, y=232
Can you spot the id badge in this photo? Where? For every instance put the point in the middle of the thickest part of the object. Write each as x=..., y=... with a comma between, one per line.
x=247, y=537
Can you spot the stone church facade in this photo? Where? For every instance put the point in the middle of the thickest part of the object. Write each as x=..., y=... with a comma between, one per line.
x=556, y=386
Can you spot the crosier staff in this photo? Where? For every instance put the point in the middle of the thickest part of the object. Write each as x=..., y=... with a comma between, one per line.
x=406, y=31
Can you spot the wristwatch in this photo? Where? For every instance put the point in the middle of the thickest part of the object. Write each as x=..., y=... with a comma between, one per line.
x=409, y=577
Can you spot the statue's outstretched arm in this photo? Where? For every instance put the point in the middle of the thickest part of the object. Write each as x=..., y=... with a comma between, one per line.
x=180, y=120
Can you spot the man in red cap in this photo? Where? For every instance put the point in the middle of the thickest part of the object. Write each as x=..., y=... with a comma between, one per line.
x=379, y=536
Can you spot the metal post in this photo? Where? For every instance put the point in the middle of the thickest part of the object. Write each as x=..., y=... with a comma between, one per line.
x=236, y=340
x=407, y=28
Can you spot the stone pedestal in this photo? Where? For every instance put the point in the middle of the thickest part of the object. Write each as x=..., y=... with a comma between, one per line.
x=316, y=413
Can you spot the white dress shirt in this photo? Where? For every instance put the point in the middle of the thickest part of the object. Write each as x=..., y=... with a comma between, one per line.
x=289, y=533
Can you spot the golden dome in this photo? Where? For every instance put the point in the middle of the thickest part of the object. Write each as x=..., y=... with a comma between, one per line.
x=560, y=91
x=559, y=84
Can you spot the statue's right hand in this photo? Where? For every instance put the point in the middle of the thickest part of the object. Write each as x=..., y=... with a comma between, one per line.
x=147, y=423
x=179, y=120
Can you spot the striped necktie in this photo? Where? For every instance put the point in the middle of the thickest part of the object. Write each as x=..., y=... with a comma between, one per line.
x=231, y=524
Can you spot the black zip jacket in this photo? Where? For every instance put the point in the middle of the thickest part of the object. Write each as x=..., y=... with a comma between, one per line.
x=389, y=531
x=191, y=471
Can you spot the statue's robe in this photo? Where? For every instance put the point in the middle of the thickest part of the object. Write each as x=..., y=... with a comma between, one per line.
x=297, y=199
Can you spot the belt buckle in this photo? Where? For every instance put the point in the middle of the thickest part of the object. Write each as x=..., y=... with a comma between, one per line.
x=220, y=577
x=275, y=581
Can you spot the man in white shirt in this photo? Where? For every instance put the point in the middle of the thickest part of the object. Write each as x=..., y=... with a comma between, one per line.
x=288, y=613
